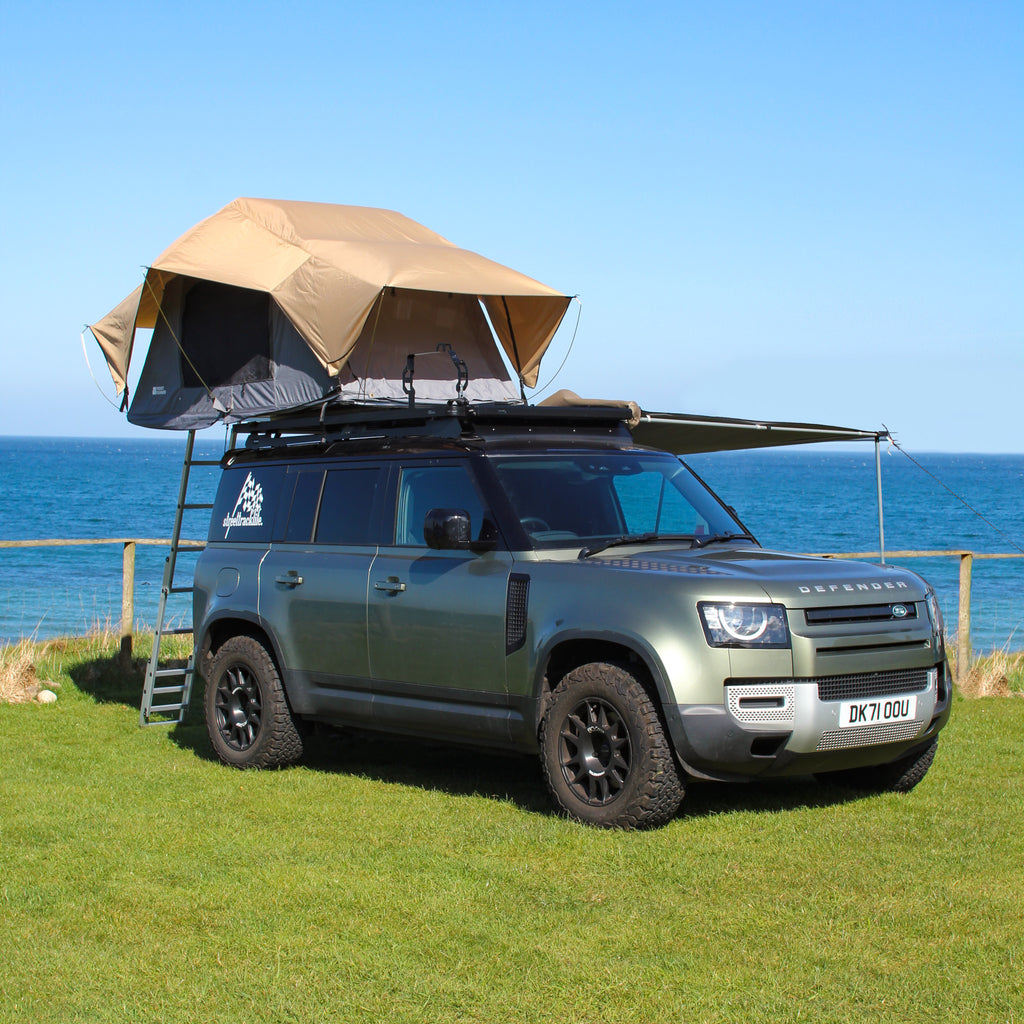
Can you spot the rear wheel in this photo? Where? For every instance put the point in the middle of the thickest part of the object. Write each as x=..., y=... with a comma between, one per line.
x=247, y=715
x=606, y=758
x=899, y=776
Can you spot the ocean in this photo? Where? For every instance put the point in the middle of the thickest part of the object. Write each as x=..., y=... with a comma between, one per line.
x=809, y=500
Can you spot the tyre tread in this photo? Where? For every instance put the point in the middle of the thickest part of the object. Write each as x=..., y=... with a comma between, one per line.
x=660, y=789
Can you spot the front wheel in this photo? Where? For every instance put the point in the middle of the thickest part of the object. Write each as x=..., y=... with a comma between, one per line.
x=247, y=715
x=605, y=755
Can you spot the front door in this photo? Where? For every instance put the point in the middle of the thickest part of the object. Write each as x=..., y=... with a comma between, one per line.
x=436, y=619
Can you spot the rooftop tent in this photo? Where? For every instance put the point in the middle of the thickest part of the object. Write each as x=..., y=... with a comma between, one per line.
x=268, y=306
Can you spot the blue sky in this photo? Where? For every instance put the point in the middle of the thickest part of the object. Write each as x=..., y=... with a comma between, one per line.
x=807, y=211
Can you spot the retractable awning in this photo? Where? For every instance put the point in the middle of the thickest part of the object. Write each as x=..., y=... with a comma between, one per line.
x=686, y=434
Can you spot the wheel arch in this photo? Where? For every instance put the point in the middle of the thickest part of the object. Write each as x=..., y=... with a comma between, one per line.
x=570, y=650
x=217, y=630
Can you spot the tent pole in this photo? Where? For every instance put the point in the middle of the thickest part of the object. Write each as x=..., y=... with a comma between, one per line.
x=878, y=484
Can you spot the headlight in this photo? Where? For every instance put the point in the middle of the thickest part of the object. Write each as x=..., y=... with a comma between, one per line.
x=935, y=612
x=744, y=625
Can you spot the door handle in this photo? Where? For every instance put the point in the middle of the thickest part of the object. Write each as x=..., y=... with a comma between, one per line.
x=290, y=578
x=392, y=585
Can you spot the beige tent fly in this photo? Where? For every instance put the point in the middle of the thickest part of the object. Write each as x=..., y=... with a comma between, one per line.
x=268, y=305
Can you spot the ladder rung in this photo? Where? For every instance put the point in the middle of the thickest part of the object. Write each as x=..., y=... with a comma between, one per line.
x=175, y=632
x=169, y=673
x=181, y=590
x=177, y=690
x=198, y=504
x=163, y=709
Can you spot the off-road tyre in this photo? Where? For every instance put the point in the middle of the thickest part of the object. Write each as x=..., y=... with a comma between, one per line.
x=247, y=715
x=606, y=758
x=899, y=776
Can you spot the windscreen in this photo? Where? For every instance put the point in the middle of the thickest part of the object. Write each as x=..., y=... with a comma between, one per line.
x=564, y=498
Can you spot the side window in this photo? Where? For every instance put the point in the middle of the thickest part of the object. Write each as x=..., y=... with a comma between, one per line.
x=422, y=488
x=346, y=507
x=650, y=503
x=246, y=500
x=308, y=483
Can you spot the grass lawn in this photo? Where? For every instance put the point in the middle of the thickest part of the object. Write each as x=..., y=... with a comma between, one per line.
x=386, y=880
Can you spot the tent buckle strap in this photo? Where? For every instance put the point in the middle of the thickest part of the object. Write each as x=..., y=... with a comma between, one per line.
x=407, y=377
x=461, y=373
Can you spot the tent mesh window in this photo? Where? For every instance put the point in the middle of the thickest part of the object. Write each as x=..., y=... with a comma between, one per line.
x=225, y=336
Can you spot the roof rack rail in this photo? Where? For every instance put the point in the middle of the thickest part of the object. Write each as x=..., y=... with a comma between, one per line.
x=338, y=420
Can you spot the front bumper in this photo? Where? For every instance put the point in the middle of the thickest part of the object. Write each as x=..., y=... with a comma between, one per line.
x=775, y=727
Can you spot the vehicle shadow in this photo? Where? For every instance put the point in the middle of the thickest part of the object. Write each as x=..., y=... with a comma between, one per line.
x=110, y=681
x=769, y=796
x=514, y=778
x=406, y=761
x=448, y=768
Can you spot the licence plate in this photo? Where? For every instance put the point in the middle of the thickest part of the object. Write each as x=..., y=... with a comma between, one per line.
x=877, y=711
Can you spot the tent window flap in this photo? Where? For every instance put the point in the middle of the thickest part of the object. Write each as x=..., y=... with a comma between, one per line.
x=225, y=336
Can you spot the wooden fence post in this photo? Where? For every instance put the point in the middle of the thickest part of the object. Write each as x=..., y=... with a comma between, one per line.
x=127, y=602
x=963, y=640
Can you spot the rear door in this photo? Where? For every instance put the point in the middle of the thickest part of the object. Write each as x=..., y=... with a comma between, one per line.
x=313, y=583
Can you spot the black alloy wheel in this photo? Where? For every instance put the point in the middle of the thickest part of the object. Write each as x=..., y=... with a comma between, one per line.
x=594, y=751
x=247, y=715
x=239, y=707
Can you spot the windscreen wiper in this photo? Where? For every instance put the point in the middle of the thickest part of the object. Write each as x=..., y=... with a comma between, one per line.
x=713, y=538
x=633, y=538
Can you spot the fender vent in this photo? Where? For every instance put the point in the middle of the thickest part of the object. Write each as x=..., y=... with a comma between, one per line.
x=515, y=611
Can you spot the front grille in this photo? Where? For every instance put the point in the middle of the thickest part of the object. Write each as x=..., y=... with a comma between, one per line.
x=868, y=735
x=861, y=613
x=849, y=687
x=873, y=684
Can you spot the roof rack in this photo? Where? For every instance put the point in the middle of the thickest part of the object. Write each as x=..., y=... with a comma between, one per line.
x=339, y=421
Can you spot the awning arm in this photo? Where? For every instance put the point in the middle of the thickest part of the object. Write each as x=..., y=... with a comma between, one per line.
x=878, y=484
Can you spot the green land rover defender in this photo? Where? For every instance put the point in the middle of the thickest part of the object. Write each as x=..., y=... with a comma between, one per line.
x=533, y=580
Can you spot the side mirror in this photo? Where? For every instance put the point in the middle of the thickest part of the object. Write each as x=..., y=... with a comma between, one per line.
x=447, y=529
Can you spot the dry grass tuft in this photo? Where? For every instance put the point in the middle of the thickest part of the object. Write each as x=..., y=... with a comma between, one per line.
x=997, y=675
x=18, y=680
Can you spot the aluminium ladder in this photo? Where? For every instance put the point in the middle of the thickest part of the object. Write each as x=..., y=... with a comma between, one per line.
x=167, y=691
